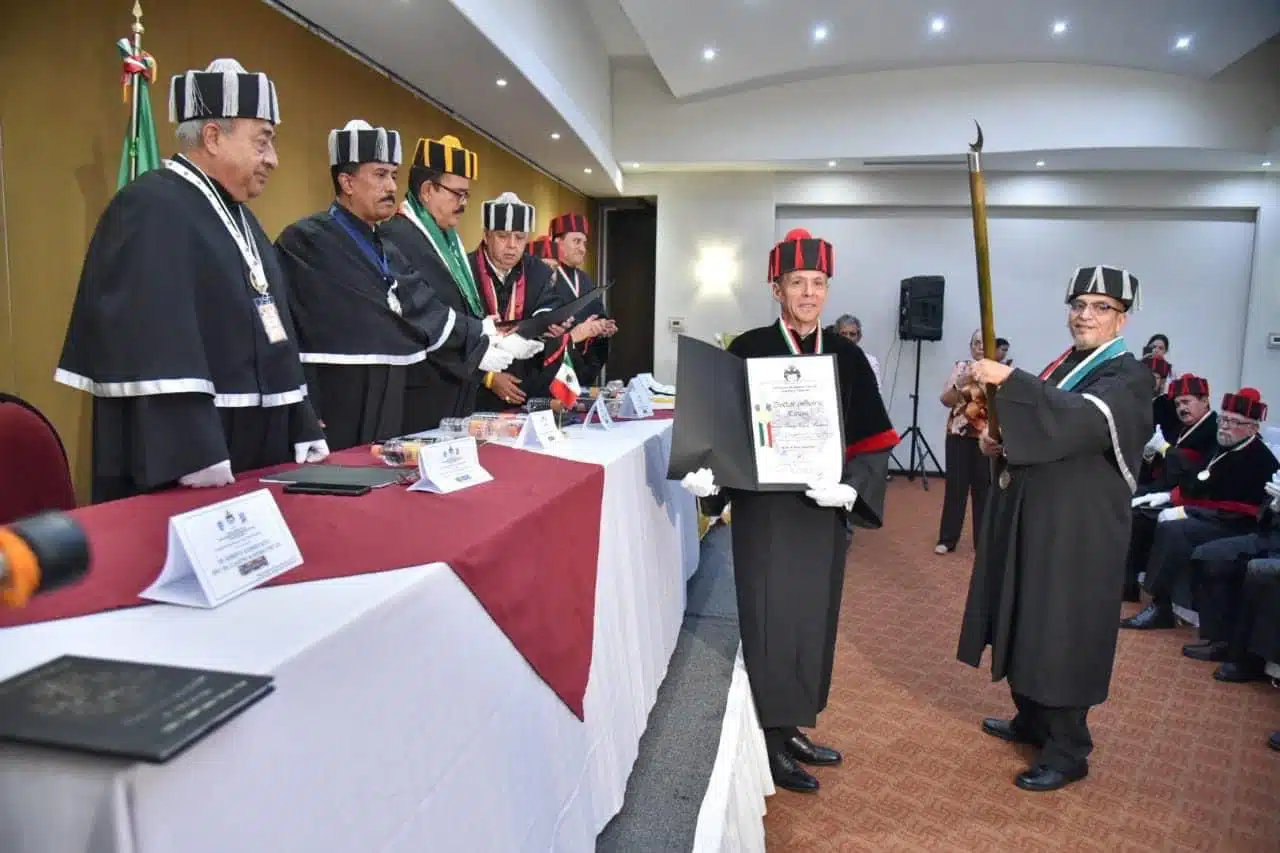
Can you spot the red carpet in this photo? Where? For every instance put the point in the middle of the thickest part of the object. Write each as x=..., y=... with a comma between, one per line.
x=1180, y=761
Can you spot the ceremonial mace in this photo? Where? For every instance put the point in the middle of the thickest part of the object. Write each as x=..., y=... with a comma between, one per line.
x=981, y=245
x=138, y=30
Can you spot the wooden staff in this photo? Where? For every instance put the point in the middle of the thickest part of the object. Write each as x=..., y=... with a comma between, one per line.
x=981, y=245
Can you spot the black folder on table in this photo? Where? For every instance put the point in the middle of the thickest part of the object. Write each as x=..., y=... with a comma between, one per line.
x=123, y=709
x=537, y=325
x=373, y=476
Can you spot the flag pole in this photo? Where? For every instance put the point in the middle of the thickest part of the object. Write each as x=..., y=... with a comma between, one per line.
x=138, y=29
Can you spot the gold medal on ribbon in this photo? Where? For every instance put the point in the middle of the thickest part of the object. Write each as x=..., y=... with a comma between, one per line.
x=1005, y=479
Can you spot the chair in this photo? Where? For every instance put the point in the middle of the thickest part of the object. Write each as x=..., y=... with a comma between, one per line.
x=35, y=475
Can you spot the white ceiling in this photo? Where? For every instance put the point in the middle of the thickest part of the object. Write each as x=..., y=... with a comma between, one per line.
x=761, y=42
x=436, y=50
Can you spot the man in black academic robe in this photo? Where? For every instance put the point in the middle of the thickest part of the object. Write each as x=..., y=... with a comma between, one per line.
x=424, y=230
x=1049, y=567
x=513, y=286
x=1219, y=498
x=789, y=547
x=181, y=327
x=589, y=349
x=1165, y=463
x=363, y=315
x=1164, y=414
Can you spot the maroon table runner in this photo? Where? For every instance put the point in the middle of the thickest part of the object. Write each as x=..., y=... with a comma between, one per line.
x=525, y=544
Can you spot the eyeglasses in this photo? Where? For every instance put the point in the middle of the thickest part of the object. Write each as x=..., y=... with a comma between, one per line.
x=1100, y=309
x=1233, y=423
x=461, y=195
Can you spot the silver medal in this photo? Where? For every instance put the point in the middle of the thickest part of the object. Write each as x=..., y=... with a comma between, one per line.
x=393, y=301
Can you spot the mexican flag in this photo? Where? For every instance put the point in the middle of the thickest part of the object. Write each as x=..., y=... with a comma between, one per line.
x=141, y=150
x=565, y=387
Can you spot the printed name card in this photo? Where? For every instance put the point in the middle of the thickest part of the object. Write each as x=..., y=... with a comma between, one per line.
x=223, y=550
x=637, y=403
x=450, y=466
x=540, y=430
x=599, y=412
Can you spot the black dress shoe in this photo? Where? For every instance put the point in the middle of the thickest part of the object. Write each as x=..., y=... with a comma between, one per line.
x=803, y=749
x=1041, y=778
x=1005, y=730
x=1235, y=672
x=1153, y=616
x=787, y=774
x=1274, y=741
x=1214, y=652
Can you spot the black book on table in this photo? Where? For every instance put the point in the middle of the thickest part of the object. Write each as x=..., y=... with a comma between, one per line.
x=123, y=709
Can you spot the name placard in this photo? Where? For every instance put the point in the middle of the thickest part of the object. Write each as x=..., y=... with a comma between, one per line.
x=223, y=550
x=599, y=412
x=637, y=403
x=450, y=466
x=540, y=430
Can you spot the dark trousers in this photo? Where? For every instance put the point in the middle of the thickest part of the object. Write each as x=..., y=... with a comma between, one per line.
x=1061, y=733
x=1218, y=580
x=968, y=475
x=1174, y=543
x=1141, y=535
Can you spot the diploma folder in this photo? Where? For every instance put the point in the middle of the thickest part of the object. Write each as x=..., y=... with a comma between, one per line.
x=713, y=425
x=373, y=476
x=537, y=325
x=122, y=709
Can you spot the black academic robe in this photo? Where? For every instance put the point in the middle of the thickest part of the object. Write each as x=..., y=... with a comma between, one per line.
x=1049, y=571
x=355, y=346
x=442, y=385
x=168, y=336
x=789, y=553
x=1189, y=442
x=539, y=296
x=590, y=356
x=1228, y=481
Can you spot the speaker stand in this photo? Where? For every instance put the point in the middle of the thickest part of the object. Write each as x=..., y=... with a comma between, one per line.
x=920, y=449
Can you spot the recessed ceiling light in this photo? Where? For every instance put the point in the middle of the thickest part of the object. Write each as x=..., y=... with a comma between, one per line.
x=501, y=82
x=938, y=25
x=634, y=165
x=1182, y=43
x=555, y=136
x=586, y=171
x=1059, y=27
x=1266, y=164
x=820, y=33
x=831, y=164
x=708, y=54
x=1039, y=164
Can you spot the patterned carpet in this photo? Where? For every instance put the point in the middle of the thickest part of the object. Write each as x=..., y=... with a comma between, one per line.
x=1180, y=761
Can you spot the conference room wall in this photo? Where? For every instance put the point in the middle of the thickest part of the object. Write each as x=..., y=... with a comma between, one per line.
x=62, y=122
x=1208, y=283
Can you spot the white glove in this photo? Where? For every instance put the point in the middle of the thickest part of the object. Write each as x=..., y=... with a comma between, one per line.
x=1157, y=445
x=1152, y=500
x=519, y=347
x=495, y=360
x=701, y=483
x=489, y=326
x=833, y=495
x=207, y=478
x=310, y=451
x=1173, y=513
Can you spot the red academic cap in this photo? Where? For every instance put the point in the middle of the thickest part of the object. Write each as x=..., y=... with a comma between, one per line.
x=800, y=250
x=1246, y=402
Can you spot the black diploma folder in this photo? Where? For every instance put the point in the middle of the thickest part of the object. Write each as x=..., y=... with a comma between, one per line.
x=537, y=325
x=122, y=709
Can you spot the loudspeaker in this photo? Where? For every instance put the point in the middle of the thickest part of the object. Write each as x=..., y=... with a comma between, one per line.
x=920, y=308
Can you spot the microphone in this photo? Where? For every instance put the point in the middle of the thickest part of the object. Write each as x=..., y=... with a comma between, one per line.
x=39, y=554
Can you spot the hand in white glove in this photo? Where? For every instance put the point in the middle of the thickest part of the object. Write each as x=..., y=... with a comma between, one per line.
x=1156, y=445
x=701, y=483
x=489, y=325
x=1154, y=499
x=207, y=478
x=495, y=360
x=310, y=451
x=832, y=495
x=1173, y=513
x=519, y=347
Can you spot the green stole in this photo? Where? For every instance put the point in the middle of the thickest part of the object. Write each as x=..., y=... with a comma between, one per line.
x=449, y=247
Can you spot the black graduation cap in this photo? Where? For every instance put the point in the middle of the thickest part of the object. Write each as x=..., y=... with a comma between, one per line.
x=800, y=250
x=508, y=213
x=360, y=142
x=223, y=90
x=569, y=223
x=447, y=155
x=1106, y=281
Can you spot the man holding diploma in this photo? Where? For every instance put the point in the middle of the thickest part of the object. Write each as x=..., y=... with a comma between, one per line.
x=789, y=547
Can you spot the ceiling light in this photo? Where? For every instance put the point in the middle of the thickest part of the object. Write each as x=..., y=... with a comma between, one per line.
x=1182, y=43
x=820, y=33
x=555, y=136
x=1039, y=164
x=586, y=171
x=831, y=164
x=634, y=165
x=1266, y=164
x=1059, y=27
x=938, y=25
x=501, y=82
x=708, y=54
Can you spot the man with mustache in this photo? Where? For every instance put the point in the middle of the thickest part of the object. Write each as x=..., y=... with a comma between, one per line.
x=592, y=330
x=181, y=328
x=363, y=315
x=424, y=230
x=1218, y=498
x=1164, y=463
x=1050, y=564
x=789, y=547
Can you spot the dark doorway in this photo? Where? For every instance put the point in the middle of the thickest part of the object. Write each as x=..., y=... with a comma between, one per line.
x=629, y=260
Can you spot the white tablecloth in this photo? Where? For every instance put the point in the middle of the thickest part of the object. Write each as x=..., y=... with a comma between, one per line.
x=403, y=721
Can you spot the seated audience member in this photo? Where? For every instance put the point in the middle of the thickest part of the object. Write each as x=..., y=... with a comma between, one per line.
x=1002, y=351
x=1159, y=345
x=1193, y=430
x=849, y=327
x=968, y=471
x=1220, y=498
x=1255, y=637
x=1219, y=578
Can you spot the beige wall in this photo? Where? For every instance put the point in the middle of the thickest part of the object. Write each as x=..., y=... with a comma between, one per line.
x=62, y=123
